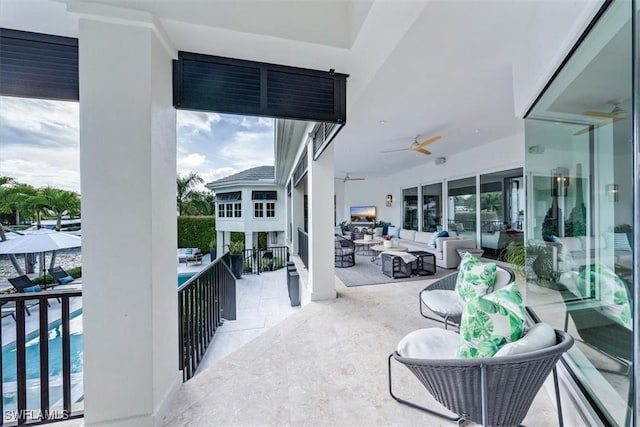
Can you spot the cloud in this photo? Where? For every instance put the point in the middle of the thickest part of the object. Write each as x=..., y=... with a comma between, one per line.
x=191, y=161
x=39, y=143
x=38, y=122
x=249, y=149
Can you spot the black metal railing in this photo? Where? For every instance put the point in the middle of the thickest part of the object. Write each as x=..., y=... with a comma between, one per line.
x=17, y=406
x=257, y=261
x=303, y=247
x=203, y=301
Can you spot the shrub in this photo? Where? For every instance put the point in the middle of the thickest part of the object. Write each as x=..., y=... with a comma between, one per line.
x=196, y=232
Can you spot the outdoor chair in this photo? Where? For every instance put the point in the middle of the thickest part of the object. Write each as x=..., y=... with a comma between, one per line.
x=60, y=276
x=440, y=298
x=492, y=391
x=344, y=252
x=23, y=284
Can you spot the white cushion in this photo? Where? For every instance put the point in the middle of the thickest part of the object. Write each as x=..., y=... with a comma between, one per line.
x=423, y=237
x=503, y=278
x=407, y=234
x=443, y=302
x=539, y=336
x=431, y=343
x=393, y=230
x=377, y=232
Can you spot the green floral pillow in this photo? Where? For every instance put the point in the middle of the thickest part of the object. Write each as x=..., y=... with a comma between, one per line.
x=475, y=278
x=491, y=321
x=614, y=295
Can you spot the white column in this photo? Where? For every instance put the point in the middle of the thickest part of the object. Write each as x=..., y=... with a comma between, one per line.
x=248, y=240
x=220, y=248
x=320, y=179
x=128, y=181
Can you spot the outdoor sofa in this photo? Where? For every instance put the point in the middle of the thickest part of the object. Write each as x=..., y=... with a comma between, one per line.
x=445, y=249
x=187, y=255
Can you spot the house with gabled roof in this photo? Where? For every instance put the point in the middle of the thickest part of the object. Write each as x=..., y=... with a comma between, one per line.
x=249, y=202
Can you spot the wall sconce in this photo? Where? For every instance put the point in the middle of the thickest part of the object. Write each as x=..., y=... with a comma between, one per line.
x=559, y=181
x=612, y=192
x=389, y=200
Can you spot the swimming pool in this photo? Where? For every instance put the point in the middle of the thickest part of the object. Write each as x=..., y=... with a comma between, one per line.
x=183, y=277
x=33, y=364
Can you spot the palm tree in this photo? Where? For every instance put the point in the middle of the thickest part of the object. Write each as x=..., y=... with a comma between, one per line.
x=186, y=190
x=5, y=205
x=29, y=199
x=6, y=188
x=60, y=202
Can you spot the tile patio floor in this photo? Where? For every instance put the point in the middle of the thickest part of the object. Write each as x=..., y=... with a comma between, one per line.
x=324, y=364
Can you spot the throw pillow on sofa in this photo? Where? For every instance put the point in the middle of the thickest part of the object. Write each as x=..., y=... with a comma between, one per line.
x=614, y=295
x=393, y=231
x=475, y=278
x=491, y=321
x=432, y=242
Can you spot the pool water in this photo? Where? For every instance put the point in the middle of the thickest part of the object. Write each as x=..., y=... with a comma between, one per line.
x=183, y=277
x=33, y=363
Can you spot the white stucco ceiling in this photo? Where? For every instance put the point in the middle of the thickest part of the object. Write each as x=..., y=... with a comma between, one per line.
x=425, y=68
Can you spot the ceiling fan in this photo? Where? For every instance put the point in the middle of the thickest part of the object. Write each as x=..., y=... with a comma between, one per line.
x=604, y=118
x=348, y=177
x=417, y=146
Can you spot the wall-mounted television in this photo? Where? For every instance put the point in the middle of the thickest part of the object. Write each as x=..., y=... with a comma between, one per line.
x=363, y=213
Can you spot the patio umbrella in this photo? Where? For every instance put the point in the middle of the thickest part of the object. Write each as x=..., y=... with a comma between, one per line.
x=40, y=241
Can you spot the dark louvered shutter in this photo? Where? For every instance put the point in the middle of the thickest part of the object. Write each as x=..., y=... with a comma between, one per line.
x=37, y=65
x=226, y=85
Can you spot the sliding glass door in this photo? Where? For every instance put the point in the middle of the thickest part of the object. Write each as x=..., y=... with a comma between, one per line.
x=580, y=144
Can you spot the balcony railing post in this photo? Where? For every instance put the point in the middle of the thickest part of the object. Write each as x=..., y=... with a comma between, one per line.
x=203, y=301
x=28, y=410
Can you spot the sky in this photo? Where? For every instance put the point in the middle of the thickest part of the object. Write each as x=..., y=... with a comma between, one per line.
x=39, y=143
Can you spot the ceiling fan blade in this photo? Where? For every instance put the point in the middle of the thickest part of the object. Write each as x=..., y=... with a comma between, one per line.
x=393, y=151
x=422, y=150
x=428, y=141
x=599, y=114
x=595, y=126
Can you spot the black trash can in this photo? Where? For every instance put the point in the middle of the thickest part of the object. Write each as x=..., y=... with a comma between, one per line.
x=293, y=285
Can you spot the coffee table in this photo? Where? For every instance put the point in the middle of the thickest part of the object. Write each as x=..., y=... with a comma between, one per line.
x=382, y=248
x=425, y=264
x=363, y=247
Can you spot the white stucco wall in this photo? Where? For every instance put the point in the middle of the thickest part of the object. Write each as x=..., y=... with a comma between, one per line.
x=553, y=30
x=248, y=223
x=499, y=155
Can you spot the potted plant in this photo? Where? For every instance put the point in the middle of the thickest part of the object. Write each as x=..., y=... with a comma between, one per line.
x=386, y=241
x=532, y=261
x=368, y=234
x=236, y=250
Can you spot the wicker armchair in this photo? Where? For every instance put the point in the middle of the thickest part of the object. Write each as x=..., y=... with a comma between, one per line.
x=345, y=251
x=444, y=302
x=495, y=391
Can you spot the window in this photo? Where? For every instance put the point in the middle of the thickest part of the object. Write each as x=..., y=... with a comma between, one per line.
x=264, y=195
x=410, y=208
x=258, y=210
x=237, y=210
x=431, y=207
x=271, y=210
x=502, y=204
x=229, y=208
x=264, y=210
x=462, y=207
x=220, y=210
